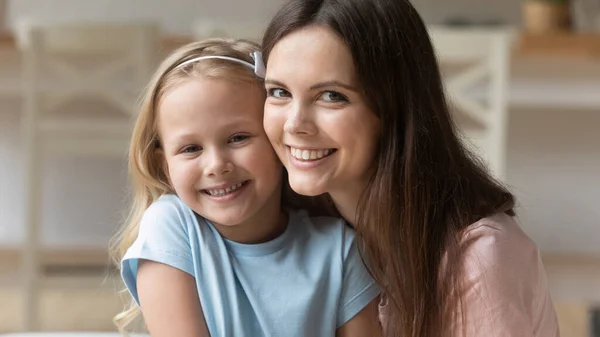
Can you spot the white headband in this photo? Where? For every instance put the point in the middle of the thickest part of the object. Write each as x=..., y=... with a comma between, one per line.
x=258, y=66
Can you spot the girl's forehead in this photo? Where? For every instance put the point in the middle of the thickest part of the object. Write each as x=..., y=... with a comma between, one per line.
x=205, y=105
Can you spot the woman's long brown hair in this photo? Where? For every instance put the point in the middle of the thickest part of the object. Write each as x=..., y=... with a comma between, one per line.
x=426, y=187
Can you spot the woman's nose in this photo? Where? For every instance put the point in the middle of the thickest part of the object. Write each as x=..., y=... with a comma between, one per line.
x=300, y=121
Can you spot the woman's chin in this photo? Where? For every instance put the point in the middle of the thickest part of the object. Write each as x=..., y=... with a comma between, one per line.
x=307, y=188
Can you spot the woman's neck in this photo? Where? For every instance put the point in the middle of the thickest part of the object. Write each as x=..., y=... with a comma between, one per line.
x=346, y=201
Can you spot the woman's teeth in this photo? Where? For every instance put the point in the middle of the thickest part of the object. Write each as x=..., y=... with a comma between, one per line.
x=310, y=154
x=224, y=191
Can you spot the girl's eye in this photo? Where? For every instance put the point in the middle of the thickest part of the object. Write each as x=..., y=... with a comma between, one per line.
x=191, y=149
x=278, y=93
x=333, y=97
x=238, y=138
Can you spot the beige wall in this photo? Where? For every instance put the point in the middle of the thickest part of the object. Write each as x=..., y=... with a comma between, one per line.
x=554, y=168
x=177, y=15
x=437, y=11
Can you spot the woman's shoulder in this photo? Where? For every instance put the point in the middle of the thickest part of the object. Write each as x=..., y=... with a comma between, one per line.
x=497, y=253
x=496, y=248
x=499, y=233
x=505, y=283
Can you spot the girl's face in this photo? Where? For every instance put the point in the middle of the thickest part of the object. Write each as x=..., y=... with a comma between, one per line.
x=217, y=156
x=316, y=116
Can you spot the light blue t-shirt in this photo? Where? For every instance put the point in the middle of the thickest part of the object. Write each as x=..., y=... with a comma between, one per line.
x=309, y=281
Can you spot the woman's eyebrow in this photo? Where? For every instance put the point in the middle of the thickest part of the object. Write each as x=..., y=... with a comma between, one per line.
x=333, y=83
x=274, y=82
x=320, y=85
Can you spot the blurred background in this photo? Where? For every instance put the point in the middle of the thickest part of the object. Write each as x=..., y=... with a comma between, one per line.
x=523, y=77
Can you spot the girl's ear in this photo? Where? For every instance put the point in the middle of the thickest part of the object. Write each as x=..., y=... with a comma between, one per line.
x=159, y=155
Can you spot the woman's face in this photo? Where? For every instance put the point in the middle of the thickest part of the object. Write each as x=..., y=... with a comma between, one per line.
x=316, y=116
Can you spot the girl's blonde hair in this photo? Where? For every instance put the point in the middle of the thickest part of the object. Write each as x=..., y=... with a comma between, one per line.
x=145, y=167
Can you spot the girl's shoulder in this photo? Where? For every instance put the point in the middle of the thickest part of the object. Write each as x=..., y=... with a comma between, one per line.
x=167, y=203
x=168, y=213
x=323, y=225
x=329, y=233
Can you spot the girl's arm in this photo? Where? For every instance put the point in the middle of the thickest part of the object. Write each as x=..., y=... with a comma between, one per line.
x=169, y=301
x=364, y=324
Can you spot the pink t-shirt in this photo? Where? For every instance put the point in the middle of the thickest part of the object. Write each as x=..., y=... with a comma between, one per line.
x=506, y=288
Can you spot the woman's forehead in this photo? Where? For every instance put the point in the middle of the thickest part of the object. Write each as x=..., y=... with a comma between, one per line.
x=314, y=52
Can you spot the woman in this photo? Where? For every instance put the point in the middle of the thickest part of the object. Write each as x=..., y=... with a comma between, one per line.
x=356, y=112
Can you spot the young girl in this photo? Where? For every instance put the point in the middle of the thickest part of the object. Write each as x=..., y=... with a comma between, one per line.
x=209, y=249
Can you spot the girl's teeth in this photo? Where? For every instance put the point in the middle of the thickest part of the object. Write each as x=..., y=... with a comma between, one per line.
x=309, y=154
x=224, y=191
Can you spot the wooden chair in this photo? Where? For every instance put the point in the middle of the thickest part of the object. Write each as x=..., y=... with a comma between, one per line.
x=100, y=64
x=478, y=87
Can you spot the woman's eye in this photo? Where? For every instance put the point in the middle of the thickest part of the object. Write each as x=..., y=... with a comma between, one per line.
x=333, y=96
x=238, y=138
x=191, y=149
x=278, y=93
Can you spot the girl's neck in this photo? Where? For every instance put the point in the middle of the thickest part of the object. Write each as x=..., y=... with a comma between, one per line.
x=266, y=224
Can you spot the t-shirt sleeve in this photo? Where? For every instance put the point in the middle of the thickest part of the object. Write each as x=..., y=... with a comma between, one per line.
x=358, y=288
x=163, y=237
x=505, y=289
